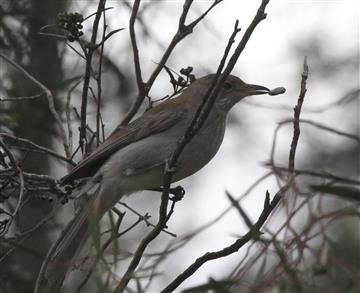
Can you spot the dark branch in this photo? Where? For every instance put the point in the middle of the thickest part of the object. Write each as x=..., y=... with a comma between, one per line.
x=84, y=96
x=179, y=35
x=297, y=110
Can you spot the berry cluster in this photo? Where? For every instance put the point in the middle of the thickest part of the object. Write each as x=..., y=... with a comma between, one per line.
x=181, y=81
x=71, y=22
x=187, y=72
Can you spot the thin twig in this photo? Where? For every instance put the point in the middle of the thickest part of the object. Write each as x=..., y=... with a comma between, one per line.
x=21, y=187
x=41, y=223
x=221, y=215
x=320, y=174
x=297, y=110
x=324, y=127
x=105, y=38
x=182, y=31
x=95, y=13
x=139, y=80
x=145, y=218
x=68, y=115
x=17, y=99
x=37, y=147
x=98, y=81
x=40, y=177
x=89, y=54
x=234, y=247
x=100, y=253
x=50, y=100
x=76, y=51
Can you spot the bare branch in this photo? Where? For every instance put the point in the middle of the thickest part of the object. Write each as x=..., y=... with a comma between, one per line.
x=21, y=186
x=297, y=111
x=68, y=115
x=324, y=127
x=98, y=80
x=234, y=247
x=139, y=80
x=37, y=147
x=320, y=174
x=16, y=99
x=89, y=54
x=145, y=218
x=182, y=32
x=50, y=100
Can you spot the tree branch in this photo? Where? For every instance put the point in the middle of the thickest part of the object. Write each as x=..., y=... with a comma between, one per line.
x=84, y=96
x=297, y=110
x=38, y=147
x=182, y=31
x=50, y=100
x=234, y=247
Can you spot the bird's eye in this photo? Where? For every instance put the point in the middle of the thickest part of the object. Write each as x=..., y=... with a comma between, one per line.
x=227, y=86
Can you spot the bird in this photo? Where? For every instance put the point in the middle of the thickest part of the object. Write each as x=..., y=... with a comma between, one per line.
x=133, y=158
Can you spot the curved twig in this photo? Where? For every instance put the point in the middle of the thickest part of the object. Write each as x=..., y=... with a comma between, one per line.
x=38, y=147
x=50, y=100
x=182, y=31
x=21, y=187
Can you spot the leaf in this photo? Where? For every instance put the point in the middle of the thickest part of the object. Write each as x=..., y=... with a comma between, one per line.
x=255, y=232
x=345, y=192
x=212, y=284
x=172, y=78
x=242, y=213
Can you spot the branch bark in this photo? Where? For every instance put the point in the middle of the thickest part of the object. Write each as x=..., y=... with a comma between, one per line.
x=84, y=96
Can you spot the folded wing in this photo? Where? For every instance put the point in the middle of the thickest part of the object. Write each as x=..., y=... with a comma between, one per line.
x=155, y=120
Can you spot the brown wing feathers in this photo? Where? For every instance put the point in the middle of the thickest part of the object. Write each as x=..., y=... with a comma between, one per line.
x=154, y=120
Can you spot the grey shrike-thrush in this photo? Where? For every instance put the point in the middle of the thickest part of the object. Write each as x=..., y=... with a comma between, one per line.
x=133, y=158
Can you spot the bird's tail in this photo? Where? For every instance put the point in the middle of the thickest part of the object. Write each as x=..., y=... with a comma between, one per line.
x=63, y=254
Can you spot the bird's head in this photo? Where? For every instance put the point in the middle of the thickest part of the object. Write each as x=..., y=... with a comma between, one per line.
x=233, y=90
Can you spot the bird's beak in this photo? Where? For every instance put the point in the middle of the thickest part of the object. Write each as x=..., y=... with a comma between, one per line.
x=254, y=89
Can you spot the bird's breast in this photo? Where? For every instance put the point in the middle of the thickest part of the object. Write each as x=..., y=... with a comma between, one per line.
x=140, y=165
x=201, y=148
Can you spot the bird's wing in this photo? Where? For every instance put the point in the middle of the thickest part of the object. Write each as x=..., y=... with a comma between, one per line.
x=153, y=121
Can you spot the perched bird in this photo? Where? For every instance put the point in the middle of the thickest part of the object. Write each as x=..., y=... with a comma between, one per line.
x=133, y=158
